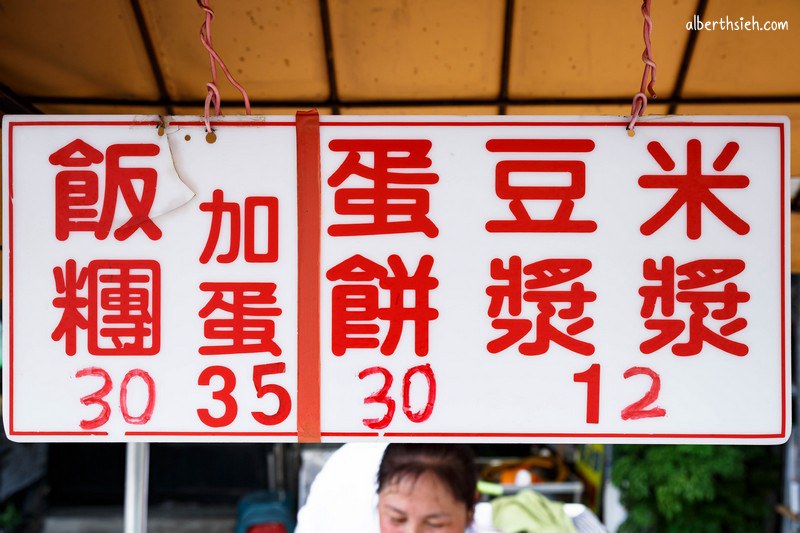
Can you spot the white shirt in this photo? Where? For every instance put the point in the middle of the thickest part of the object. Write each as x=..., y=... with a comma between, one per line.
x=344, y=496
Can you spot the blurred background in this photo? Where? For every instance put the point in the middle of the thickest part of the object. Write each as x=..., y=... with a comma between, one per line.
x=471, y=57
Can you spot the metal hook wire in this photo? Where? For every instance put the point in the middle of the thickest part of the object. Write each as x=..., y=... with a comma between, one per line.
x=639, y=103
x=213, y=91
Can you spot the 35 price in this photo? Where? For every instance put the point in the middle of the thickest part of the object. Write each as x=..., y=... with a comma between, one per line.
x=231, y=408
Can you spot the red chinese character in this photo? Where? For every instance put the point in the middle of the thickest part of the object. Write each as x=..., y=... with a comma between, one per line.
x=68, y=282
x=123, y=306
x=219, y=208
x=398, y=209
x=120, y=179
x=541, y=275
x=249, y=327
x=76, y=191
x=565, y=195
x=356, y=304
x=693, y=189
x=703, y=273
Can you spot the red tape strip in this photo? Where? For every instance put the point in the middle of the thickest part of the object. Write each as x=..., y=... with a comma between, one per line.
x=309, y=222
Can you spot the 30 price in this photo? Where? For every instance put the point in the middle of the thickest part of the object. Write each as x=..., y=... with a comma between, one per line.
x=382, y=395
x=98, y=398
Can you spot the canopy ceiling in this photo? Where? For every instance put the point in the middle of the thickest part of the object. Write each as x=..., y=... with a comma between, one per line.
x=398, y=57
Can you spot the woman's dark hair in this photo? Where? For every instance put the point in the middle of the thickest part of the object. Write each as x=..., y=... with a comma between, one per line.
x=452, y=464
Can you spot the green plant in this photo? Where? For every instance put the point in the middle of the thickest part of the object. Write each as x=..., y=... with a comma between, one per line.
x=10, y=518
x=691, y=488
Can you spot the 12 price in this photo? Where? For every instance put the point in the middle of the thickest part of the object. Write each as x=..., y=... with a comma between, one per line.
x=634, y=411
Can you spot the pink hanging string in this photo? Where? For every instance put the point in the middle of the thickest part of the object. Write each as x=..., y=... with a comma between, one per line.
x=640, y=98
x=215, y=59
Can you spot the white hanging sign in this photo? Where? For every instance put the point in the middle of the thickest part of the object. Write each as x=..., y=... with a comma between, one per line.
x=476, y=279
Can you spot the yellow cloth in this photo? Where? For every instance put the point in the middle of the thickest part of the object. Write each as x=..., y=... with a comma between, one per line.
x=530, y=512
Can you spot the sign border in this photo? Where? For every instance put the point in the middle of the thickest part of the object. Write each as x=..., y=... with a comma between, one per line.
x=334, y=122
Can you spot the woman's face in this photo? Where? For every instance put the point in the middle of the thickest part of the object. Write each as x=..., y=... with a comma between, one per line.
x=421, y=505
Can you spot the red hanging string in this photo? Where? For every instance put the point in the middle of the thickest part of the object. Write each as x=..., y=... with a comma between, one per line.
x=215, y=59
x=640, y=99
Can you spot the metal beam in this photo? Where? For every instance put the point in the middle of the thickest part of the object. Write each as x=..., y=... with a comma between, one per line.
x=13, y=104
x=151, y=56
x=431, y=102
x=505, y=68
x=333, y=98
x=686, y=60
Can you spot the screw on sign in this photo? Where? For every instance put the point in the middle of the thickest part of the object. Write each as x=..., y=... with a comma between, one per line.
x=77, y=190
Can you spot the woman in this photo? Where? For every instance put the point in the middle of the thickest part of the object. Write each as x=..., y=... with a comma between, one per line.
x=426, y=487
x=371, y=487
